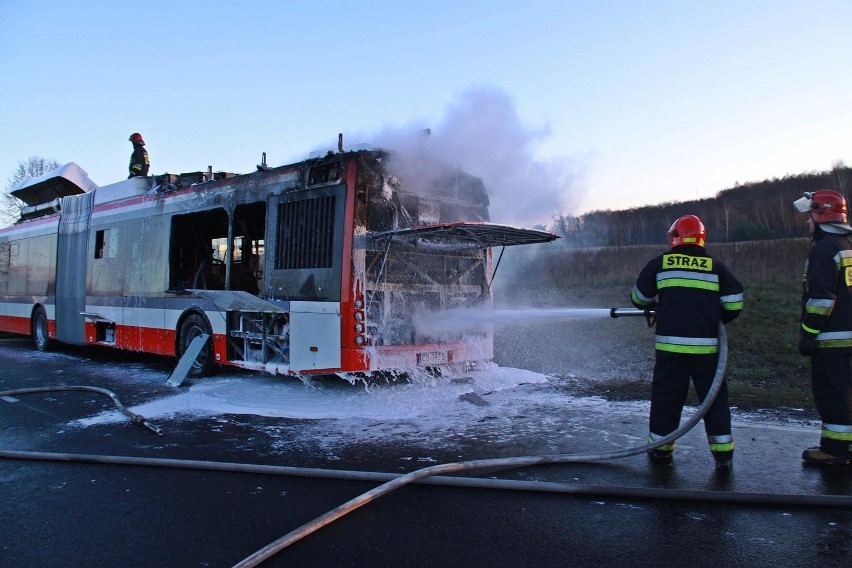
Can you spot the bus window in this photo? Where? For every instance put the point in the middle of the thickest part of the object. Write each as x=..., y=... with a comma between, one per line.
x=100, y=243
x=194, y=251
x=324, y=174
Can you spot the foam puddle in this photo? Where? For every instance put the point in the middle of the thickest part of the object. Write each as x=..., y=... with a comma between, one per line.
x=288, y=398
x=441, y=413
x=436, y=323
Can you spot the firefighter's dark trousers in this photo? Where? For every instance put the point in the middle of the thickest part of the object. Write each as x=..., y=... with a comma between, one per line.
x=670, y=386
x=831, y=380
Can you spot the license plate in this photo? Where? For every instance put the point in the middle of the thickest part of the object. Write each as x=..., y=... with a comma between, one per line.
x=431, y=358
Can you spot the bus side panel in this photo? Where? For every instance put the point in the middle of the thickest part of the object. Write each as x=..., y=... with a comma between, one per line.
x=144, y=256
x=17, y=316
x=41, y=266
x=71, y=268
x=27, y=266
x=16, y=277
x=147, y=281
x=157, y=341
x=314, y=336
x=16, y=308
x=5, y=249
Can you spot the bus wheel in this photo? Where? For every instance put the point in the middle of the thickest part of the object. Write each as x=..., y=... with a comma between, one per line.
x=39, y=330
x=192, y=327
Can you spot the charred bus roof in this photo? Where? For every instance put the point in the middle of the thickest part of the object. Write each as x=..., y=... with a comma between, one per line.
x=409, y=175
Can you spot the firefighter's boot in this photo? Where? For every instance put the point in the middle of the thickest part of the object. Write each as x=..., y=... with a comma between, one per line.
x=817, y=456
x=723, y=459
x=660, y=456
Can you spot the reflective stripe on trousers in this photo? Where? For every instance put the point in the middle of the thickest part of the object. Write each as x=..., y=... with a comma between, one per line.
x=840, y=432
x=721, y=443
x=665, y=447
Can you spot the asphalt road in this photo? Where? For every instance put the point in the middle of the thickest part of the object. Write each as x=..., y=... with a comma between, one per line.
x=78, y=514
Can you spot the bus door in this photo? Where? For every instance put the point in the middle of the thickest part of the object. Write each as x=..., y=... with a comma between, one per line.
x=247, y=248
x=146, y=278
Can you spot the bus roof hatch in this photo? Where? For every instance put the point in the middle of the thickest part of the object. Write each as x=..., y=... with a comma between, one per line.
x=68, y=179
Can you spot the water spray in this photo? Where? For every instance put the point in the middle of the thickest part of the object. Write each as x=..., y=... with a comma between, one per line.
x=464, y=319
x=437, y=323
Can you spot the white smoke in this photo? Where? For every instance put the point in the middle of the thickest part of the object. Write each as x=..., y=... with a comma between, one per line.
x=482, y=134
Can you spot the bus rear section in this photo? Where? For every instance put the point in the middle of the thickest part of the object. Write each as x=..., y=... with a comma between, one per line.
x=423, y=244
x=401, y=281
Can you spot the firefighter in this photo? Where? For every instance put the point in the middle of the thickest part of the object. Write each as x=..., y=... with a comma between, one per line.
x=139, y=158
x=826, y=332
x=691, y=292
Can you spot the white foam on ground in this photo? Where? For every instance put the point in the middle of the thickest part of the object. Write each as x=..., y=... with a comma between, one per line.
x=493, y=406
x=289, y=398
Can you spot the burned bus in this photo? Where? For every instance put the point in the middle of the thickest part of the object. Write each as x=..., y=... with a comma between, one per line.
x=311, y=268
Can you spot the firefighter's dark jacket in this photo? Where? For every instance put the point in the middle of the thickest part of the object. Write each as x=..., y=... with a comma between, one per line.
x=691, y=292
x=138, y=161
x=827, y=294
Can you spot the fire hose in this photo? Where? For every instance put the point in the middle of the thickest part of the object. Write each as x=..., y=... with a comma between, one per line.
x=137, y=419
x=501, y=463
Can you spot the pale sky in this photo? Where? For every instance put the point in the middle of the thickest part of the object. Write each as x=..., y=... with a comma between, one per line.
x=559, y=105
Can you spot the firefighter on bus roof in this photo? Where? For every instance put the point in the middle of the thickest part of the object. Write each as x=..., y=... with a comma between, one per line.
x=826, y=332
x=693, y=292
x=139, y=158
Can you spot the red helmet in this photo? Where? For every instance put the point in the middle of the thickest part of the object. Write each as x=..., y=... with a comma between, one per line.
x=136, y=138
x=825, y=206
x=688, y=230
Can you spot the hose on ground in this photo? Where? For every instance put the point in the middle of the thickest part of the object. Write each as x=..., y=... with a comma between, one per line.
x=743, y=498
x=498, y=463
x=137, y=419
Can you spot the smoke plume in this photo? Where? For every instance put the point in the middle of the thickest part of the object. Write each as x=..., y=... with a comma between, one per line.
x=482, y=134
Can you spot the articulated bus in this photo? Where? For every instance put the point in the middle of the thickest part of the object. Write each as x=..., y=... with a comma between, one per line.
x=311, y=268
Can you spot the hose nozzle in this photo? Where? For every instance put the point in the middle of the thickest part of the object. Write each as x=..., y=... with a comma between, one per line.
x=143, y=422
x=649, y=314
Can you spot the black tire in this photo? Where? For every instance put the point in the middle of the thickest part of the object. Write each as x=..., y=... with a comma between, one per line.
x=192, y=327
x=39, y=330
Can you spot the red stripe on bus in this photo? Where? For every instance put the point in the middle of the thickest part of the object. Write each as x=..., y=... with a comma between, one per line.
x=20, y=325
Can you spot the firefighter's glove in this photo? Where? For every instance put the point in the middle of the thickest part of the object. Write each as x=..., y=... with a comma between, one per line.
x=807, y=345
x=650, y=317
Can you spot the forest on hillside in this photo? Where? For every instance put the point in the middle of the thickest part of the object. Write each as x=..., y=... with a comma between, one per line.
x=746, y=212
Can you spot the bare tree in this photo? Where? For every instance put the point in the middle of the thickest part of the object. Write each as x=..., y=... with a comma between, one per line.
x=840, y=176
x=34, y=166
